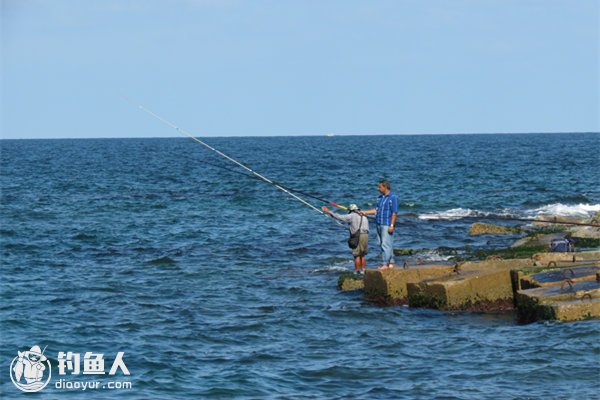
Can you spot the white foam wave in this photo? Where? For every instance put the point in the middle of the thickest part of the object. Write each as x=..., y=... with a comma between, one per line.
x=331, y=268
x=558, y=209
x=433, y=256
x=455, y=213
x=565, y=210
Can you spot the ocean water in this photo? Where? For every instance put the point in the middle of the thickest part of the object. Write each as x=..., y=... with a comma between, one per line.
x=216, y=285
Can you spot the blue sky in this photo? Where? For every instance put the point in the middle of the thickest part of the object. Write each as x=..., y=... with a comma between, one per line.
x=259, y=68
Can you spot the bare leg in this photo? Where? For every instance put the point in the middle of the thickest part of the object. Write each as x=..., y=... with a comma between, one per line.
x=357, y=263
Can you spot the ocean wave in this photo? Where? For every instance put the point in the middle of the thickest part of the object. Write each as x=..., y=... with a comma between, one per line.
x=557, y=209
x=433, y=256
x=567, y=210
x=455, y=213
x=440, y=254
x=337, y=267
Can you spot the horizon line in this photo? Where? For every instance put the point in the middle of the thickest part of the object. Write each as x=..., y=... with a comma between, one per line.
x=302, y=135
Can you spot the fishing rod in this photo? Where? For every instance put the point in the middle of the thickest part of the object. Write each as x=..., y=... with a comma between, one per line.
x=503, y=218
x=331, y=203
x=220, y=153
x=280, y=184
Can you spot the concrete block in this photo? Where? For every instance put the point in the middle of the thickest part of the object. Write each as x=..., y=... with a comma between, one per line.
x=476, y=290
x=514, y=263
x=557, y=276
x=389, y=286
x=559, y=302
x=575, y=310
x=528, y=278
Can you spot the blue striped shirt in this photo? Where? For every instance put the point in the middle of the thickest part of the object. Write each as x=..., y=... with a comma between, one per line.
x=386, y=206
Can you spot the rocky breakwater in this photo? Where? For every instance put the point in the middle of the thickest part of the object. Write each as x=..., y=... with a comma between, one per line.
x=495, y=285
x=539, y=284
x=545, y=229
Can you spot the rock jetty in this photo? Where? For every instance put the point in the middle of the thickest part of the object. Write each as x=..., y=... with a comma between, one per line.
x=538, y=286
x=563, y=289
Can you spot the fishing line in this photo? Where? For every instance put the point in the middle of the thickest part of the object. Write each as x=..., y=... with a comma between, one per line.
x=280, y=184
x=253, y=172
x=551, y=221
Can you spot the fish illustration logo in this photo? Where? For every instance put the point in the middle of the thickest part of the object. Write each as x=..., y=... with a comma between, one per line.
x=27, y=370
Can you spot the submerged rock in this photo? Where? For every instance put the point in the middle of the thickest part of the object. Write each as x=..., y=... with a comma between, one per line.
x=480, y=228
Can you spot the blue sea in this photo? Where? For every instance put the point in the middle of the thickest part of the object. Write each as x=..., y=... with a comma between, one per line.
x=213, y=284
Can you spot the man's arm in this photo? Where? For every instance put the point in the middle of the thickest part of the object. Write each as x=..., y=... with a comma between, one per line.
x=394, y=214
x=345, y=218
x=392, y=224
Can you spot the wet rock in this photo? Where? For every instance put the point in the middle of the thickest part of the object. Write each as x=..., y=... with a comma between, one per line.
x=549, y=220
x=349, y=282
x=479, y=228
x=405, y=252
x=552, y=229
x=574, y=231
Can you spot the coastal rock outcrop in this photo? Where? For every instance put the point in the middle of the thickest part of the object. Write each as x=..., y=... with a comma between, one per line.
x=480, y=228
x=571, y=290
x=349, y=282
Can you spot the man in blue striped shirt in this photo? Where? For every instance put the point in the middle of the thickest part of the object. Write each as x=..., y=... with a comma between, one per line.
x=385, y=218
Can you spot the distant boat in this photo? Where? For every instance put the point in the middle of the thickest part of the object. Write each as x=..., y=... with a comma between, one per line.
x=329, y=134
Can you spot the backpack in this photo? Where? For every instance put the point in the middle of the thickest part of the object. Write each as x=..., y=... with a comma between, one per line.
x=562, y=246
